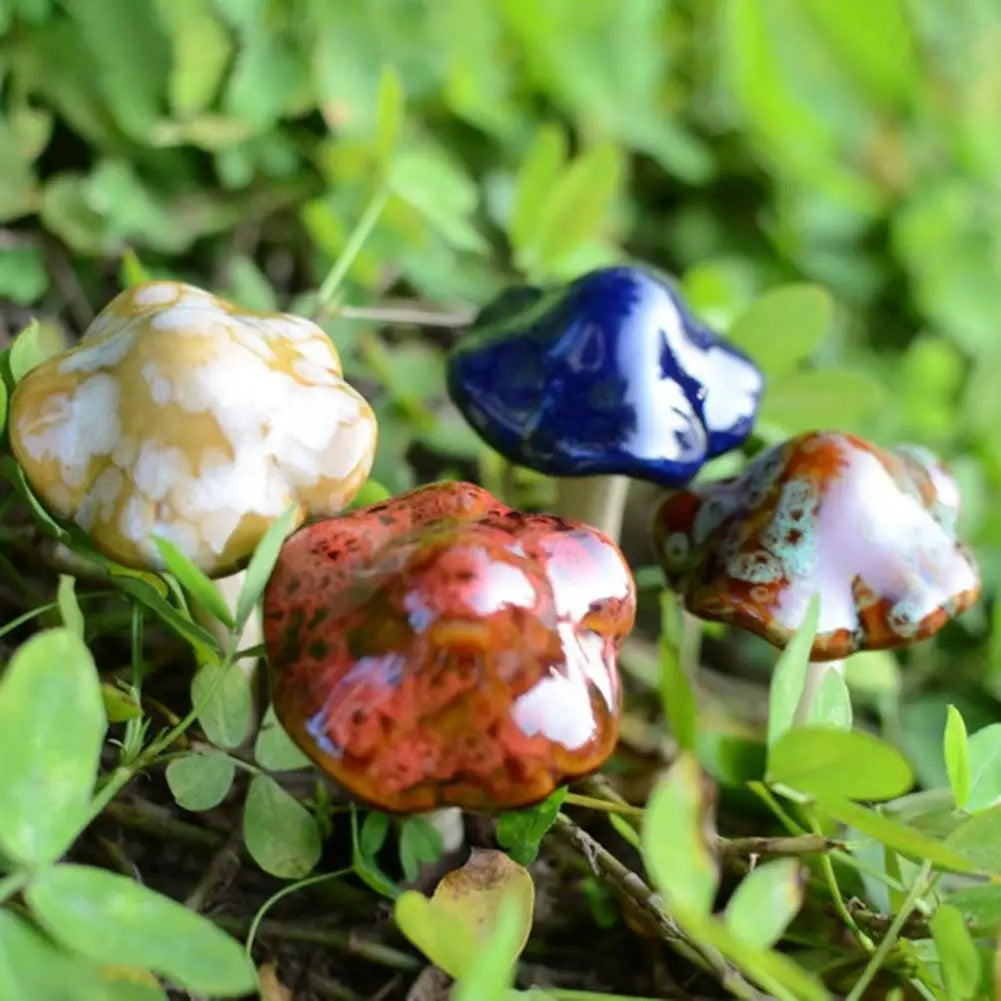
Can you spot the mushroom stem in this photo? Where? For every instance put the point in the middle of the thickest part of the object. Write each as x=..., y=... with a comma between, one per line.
x=595, y=500
x=816, y=671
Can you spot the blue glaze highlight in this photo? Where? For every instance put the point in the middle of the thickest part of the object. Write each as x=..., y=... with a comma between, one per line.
x=608, y=375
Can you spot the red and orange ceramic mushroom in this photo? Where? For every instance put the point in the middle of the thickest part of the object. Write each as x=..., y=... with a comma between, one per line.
x=873, y=532
x=442, y=649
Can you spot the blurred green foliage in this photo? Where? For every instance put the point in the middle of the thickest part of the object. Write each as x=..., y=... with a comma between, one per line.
x=740, y=144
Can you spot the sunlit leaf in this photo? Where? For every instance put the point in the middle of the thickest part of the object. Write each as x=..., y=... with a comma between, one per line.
x=907, y=840
x=193, y=580
x=831, y=704
x=69, y=607
x=957, y=759
x=52, y=726
x=789, y=674
x=823, y=762
x=783, y=327
x=33, y=967
x=450, y=926
x=676, y=825
x=957, y=953
x=108, y=917
x=984, y=754
x=263, y=562
x=765, y=902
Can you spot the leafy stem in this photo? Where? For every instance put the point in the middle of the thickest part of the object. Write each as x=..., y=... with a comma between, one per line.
x=878, y=957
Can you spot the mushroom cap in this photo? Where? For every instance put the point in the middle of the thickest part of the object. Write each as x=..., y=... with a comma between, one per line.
x=872, y=531
x=180, y=415
x=608, y=375
x=440, y=648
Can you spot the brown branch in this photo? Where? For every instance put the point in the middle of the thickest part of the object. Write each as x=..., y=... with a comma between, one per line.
x=605, y=864
x=807, y=844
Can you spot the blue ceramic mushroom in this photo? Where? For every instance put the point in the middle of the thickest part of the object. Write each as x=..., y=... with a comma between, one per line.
x=610, y=374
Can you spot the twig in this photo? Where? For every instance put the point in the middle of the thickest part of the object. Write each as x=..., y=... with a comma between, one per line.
x=876, y=960
x=627, y=882
x=805, y=844
x=158, y=822
x=221, y=871
x=407, y=315
x=349, y=943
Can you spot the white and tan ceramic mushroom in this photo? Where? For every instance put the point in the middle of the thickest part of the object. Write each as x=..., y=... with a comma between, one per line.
x=183, y=416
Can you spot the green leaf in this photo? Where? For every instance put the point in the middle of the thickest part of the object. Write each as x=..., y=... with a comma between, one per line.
x=433, y=184
x=900, y=837
x=830, y=397
x=955, y=749
x=491, y=970
x=364, y=848
x=827, y=763
x=69, y=607
x=984, y=753
x=200, y=781
x=577, y=205
x=119, y=705
x=200, y=51
x=23, y=275
x=374, y=831
x=193, y=580
x=980, y=907
x=462, y=915
x=274, y=749
x=281, y=835
x=420, y=843
x=831, y=704
x=979, y=839
x=520, y=832
x=677, y=696
x=223, y=698
x=34, y=968
x=263, y=562
x=52, y=726
x=674, y=827
x=765, y=902
x=789, y=674
x=536, y=176
x=3, y=403
x=130, y=55
x=783, y=327
x=33, y=345
x=389, y=113
x=132, y=271
x=201, y=639
x=106, y=917
x=957, y=953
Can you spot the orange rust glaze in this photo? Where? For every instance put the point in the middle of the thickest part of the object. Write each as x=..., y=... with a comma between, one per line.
x=441, y=648
x=872, y=531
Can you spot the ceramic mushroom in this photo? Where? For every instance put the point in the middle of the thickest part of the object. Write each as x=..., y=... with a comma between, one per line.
x=872, y=531
x=180, y=415
x=442, y=649
x=610, y=376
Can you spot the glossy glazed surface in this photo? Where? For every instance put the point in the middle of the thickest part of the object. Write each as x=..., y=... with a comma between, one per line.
x=872, y=531
x=440, y=648
x=181, y=415
x=610, y=374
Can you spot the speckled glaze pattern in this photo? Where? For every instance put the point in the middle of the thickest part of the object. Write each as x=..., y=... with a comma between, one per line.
x=441, y=648
x=609, y=375
x=872, y=531
x=181, y=415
